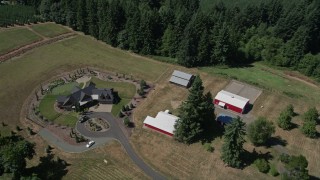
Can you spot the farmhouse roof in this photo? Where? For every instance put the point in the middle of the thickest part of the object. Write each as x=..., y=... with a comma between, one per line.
x=232, y=99
x=163, y=121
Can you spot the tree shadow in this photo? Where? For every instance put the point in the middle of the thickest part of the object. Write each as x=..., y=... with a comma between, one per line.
x=212, y=131
x=50, y=168
x=273, y=141
x=249, y=157
x=313, y=177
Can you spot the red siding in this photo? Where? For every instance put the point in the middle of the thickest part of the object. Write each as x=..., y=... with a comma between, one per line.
x=231, y=107
x=159, y=130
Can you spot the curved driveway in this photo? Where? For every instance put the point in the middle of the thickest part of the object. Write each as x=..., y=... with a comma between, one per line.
x=116, y=132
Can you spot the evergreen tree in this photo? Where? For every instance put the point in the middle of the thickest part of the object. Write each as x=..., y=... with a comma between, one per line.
x=309, y=129
x=204, y=48
x=194, y=113
x=233, y=143
x=81, y=16
x=221, y=45
x=92, y=18
x=311, y=115
x=284, y=120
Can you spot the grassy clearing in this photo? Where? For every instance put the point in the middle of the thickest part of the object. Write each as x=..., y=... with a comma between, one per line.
x=116, y=108
x=260, y=76
x=69, y=119
x=119, y=166
x=50, y=29
x=15, y=38
x=64, y=89
x=46, y=107
x=125, y=90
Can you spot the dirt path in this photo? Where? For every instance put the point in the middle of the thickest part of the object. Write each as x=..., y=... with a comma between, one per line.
x=26, y=48
x=43, y=37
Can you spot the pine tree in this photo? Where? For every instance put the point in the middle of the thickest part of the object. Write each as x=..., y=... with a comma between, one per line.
x=233, y=143
x=194, y=113
x=284, y=120
x=81, y=17
x=260, y=131
x=92, y=18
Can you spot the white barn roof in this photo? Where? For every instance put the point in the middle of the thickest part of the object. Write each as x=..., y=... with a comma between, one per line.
x=181, y=78
x=163, y=121
x=232, y=99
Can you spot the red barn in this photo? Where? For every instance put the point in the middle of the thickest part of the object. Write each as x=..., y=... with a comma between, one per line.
x=231, y=101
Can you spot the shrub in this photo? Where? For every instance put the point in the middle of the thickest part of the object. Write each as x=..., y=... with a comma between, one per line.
x=290, y=110
x=285, y=158
x=18, y=128
x=124, y=109
x=262, y=165
x=140, y=92
x=311, y=115
x=126, y=121
x=128, y=108
x=132, y=106
x=143, y=84
x=120, y=115
x=284, y=121
x=273, y=170
x=309, y=129
x=208, y=147
x=260, y=131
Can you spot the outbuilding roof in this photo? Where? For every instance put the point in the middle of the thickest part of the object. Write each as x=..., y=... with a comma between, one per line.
x=232, y=99
x=182, y=75
x=181, y=78
x=163, y=121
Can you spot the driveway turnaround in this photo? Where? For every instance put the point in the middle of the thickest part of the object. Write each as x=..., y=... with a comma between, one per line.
x=115, y=132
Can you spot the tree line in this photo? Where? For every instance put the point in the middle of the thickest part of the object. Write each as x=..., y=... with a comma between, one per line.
x=276, y=32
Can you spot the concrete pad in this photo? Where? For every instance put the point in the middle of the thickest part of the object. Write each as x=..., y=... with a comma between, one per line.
x=83, y=79
x=244, y=90
x=101, y=108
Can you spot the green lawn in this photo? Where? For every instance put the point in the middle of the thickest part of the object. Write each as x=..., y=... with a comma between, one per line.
x=46, y=107
x=116, y=108
x=67, y=119
x=49, y=30
x=125, y=90
x=14, y=38
x=64, y=89
x=259, y=75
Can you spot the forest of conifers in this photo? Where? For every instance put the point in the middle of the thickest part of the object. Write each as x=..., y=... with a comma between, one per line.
x=200, y=33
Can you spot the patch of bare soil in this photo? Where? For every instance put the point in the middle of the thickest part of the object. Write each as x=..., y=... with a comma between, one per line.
x=64, y=133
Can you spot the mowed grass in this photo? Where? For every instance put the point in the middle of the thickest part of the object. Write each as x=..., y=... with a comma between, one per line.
x=124, y=89
x=49, y=29
x=46, y=107
x=116, y=108
x=91, y=165
x=11, y=39
x=64, y=89
x=69, y=119
x=275, y=81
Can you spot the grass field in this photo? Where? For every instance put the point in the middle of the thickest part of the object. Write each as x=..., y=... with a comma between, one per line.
x=259, y=75
x=21, y=36
x=50, y=29
x=64, y=89
x=69, y=119
x=176, y=160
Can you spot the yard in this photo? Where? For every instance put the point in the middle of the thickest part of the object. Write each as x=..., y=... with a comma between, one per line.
x=21, y=36
x=49, y=29
x=64, y=89
x=126, y=92
x=170, y=157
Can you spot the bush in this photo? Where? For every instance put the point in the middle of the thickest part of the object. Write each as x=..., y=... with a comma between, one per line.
x=284, y=121
x=126, y=121
x=262, y=165
x=285, y=158
x=143, y=84
x=208, y=147
x=290, y=110
x=311, y=115
x=309, y=129
x=120, y=115
x=273, y=170
x=260, y=131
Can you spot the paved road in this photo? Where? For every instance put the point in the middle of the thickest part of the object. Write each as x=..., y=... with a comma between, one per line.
x=116, y=133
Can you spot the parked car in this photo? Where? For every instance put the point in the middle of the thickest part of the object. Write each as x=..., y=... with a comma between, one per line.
x=90, y=143
x=83, y=119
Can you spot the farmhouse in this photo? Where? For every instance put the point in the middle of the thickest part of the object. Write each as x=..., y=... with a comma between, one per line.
x=181, y=78
x=231, y=101
x=86, y=97
x=163, y=122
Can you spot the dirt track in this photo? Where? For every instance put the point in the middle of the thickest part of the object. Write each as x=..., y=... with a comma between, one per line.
x=26, y=48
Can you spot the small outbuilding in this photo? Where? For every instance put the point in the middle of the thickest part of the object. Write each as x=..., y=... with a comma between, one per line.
x=164, y=122
x=231, y=101
x=181, y=78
